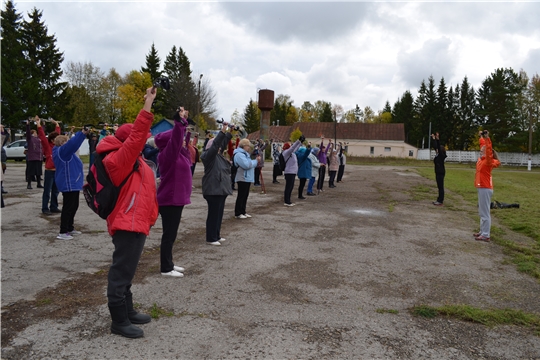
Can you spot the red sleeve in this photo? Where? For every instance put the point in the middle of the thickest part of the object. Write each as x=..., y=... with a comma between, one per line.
x=47, y=151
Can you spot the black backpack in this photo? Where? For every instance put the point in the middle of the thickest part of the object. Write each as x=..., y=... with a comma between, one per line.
x=99, y=191
x=282, y=162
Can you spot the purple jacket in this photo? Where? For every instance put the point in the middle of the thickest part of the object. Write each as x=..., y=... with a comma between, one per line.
x=291, y=162
x=174, y=161
x=33, y=145
x=322, y=154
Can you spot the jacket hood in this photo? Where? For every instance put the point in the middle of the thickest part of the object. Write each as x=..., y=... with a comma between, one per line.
x=108, y=143
x=162, y=139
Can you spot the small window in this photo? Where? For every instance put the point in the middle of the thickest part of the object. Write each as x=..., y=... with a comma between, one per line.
x=411, y=153
x=371, y=150
x=387, y=149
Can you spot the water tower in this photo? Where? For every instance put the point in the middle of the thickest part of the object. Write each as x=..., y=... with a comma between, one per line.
x=266, y=104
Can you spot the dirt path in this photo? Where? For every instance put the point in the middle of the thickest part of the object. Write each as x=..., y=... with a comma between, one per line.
x=331, y=278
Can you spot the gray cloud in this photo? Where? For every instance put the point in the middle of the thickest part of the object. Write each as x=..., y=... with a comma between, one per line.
x=531, y=65
x=434, y=58
x=482, y=19
x=309, y=22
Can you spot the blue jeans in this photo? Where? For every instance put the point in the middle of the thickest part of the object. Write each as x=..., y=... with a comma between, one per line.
x=50, y=192
x=310, y=185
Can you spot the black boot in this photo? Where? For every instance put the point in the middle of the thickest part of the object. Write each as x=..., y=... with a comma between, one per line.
x=121, y=324
x=134, y=316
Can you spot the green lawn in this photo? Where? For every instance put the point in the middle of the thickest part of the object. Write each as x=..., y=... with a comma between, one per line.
x=511, y=185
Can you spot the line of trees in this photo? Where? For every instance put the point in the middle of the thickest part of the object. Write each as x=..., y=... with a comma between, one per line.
x=507, y=104
x=33, y=81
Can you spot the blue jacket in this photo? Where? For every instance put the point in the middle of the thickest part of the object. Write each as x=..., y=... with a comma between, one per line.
x=69, y=175
x=246, y=166
x=304, y=163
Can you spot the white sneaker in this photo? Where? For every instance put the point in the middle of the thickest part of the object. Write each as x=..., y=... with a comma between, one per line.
x=173, y=273
x=74, y=232
x=65, y=236
x=222, y=239
x=247, y=215
x=292, y=204
x=179, y=268
x=215, y=243
x=242, y=216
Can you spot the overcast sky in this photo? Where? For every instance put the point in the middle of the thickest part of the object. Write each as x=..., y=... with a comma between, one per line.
x=346, y=53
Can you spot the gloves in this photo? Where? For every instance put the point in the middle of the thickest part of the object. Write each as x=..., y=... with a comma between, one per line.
x=302, y=138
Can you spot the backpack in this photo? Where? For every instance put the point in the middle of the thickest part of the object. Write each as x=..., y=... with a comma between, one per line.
x=99, y=191
x=282, y=162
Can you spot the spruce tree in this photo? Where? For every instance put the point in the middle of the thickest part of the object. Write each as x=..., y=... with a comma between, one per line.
x=153, y=64
x=43, y=91
x=182, y=92
x=13, y=67
x=252, y=118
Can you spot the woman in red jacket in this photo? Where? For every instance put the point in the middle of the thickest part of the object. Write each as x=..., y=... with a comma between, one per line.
x=50, y=191
x=135, y=212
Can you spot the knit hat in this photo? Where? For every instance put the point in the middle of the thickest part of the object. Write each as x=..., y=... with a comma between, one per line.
x=123, y=132
x=315, y=150
x=286, y=146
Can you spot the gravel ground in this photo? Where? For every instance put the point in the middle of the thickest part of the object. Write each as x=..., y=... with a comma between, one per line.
x=334, y=277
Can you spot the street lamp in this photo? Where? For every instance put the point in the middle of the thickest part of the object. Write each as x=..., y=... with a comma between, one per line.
x=199, y=97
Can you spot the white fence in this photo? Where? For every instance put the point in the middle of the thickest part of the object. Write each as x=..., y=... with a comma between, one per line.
x=518, y=159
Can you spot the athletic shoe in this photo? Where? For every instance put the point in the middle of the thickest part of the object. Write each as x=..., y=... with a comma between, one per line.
x=222, y=239
x=65, y=236
x=178, y=268
x=436, y=203
x=291, y=204
x=256, y=184
x=477, y=234
x=275, y=182
x=311, y=194
x=241, y=216
x=247, y=215
x=482, y=238
x=173, y=273
x=56, y=211
x=302, y=198
x=74, y=232
x=215, y=243
x=47, y=212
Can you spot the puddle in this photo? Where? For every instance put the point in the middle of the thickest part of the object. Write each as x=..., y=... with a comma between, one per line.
x=367, y=212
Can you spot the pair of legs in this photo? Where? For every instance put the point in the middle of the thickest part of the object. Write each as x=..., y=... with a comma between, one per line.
x=440, y=185
x=301, y=188
x=484, y=202
x=69, y=209
x=276, y=171
x=128, y=247
x=170, y=217
x=33, y=171
x=310, y=185
x=289, y=186
x=241, y=198
x=50, y=193
x=322, y=174
x=332, y=177
x=340, y=173
x=216, y=207
x=257, y=176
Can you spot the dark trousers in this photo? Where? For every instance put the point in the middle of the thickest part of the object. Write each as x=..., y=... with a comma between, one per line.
x=289, y=186
x=170, y=218
x=241, y=198
x=276, y=172
x=193, y=169
x=234, y=170
x=216, y=207
x=332, y=177
x=440, y=185
x=340, y=172
x=320, y=181
x=257, y=176
x=50, y=192
x=128, y=247
x=301, y=187
x=69, y=209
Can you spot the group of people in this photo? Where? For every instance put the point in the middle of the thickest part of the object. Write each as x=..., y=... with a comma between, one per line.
x=483, y=180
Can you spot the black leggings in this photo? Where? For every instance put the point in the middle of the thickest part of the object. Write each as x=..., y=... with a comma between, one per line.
x=322, y=173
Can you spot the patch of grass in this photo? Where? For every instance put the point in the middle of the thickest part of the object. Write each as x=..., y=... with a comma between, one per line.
x=387, y=311
x=510, y=186
x=44, y=301
x=156, y=312
x=396, y=161
x=489, y=317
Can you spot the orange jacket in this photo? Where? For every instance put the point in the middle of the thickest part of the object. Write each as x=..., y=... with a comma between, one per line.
x=137, y=207
x=484, y=165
